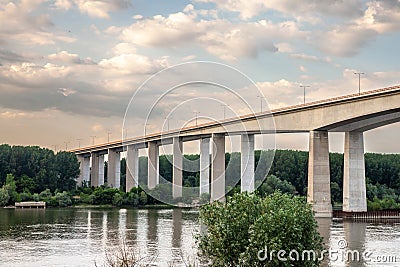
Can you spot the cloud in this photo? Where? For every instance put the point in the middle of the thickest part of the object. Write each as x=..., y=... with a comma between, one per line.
x=94, y=8
x=381, y=16
x=344, y=41
x=66, y=57
x=225, y=39
x=27, y=25
x=66, y=91
x=300, y=9
x=310, y=57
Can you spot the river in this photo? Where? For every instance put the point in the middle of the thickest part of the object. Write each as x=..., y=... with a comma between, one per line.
x=165, y=237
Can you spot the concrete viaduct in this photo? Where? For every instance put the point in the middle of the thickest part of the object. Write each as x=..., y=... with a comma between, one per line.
x=351, y=114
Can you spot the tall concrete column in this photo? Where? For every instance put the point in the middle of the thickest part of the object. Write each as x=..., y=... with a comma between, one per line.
x=113, y=170
x=218, y=168
x=86, y=170
x=354, y=188
x=80, y=177
x=118, y=170
x=94, y=172
x=152, y=166
x=101, y=170
x=204, y=166
x=247, y=163
x=132, y=168
x=177, y=162
x=319, y=189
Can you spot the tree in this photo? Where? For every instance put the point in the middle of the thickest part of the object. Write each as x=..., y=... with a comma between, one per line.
x=272, y=184
x=246, y=224
x=4, y=197
x=11, y=189
x=67, y=167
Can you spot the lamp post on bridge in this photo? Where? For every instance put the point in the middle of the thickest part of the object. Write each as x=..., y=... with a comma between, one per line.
x=197, y=113
x=304, y=89
x=66, y=145
x=224, y=107
x=79, y=142
x=261, y=102
x=93, y=137
x=108, y=136
x=168, y=119
x=359, y=81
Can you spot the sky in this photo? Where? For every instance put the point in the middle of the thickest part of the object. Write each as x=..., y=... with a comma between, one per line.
x=69, y=68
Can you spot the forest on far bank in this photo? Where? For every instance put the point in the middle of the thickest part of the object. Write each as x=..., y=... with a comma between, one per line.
x=36, y=169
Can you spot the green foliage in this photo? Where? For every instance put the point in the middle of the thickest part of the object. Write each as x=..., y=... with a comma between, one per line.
x=247, y=223
x=104, y=196
x=382, y=204
x=63, y=199
x=11, y=189
x=273, y=184
x=36, y=169
x=118, y=200
x=45, y=195
x=4, y=197
x=143, y=198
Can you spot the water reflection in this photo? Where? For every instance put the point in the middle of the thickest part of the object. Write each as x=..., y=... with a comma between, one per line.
x=78, y=237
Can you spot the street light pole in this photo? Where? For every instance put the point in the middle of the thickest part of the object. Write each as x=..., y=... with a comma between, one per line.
x=66, y=145
x=197, y=113
x=304, y=88
x=108, y=136
x=261, y=102
x=224, y=106
x=93, y=137
x=359, y=81
x=79, y=142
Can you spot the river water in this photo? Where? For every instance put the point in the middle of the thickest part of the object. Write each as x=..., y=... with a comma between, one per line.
x=165, y=237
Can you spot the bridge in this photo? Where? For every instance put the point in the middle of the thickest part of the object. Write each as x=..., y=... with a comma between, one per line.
x=352, y=114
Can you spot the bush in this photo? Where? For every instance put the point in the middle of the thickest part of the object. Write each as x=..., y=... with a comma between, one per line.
x=63, y=199
x=45, y=195
x=25, y=196
x=143, y=198
x=4, y=197
x=103, y=196
x=117, y=200
x=246, y=224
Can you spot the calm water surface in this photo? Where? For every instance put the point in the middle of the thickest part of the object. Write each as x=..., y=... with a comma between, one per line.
x=83, y=237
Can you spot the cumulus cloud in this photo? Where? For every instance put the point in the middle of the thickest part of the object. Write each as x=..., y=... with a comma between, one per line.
x=26, y=25
x=223, y=38
x=66, y=57
x=301, y=9
x=93, y=8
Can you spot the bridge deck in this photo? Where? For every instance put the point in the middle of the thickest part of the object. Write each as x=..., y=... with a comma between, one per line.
x=329, y=101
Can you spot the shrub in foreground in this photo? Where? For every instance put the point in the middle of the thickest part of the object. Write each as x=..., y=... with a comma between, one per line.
x=247, y=224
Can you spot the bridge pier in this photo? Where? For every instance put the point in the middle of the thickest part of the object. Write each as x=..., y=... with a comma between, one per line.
x=354, y=188
x=94, y=171
x=132, y=168
x=319, y=192
x=204, y=166
x=247, y=163
x=218, y=168
x=177, y=158
x=114, y=169
x=153, y=165
x=84, y=166
x=100, y=179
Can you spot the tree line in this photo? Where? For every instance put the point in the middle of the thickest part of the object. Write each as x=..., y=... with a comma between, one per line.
x=36, y=169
